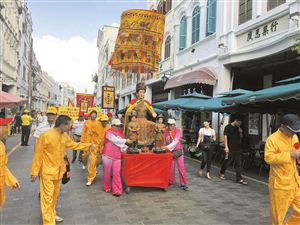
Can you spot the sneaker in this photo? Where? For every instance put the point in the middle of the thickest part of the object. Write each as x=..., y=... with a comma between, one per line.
x=58, y=219
x=184, y=186
x=83, y=167
x=88, y=184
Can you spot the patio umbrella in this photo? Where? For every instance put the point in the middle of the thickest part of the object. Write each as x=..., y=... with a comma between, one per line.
x=278, y=99
x=10, y=101
x=186, y=99
x=235, y=92
x=292, y=79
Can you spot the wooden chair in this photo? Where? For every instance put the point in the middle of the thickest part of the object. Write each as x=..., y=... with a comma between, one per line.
x=247, y=146
x=263, y=164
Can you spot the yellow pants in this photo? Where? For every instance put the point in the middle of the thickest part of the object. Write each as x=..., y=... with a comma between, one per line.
x=280, y=201
x=99, y=155
x=93, y=164
x=85, y=156
x=49, y=190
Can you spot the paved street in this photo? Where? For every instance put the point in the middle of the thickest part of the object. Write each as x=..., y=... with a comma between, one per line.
x=205, y=202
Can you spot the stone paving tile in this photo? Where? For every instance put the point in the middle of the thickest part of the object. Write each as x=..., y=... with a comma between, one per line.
x=206, y=202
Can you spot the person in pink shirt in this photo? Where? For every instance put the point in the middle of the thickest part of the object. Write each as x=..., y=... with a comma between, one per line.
x=172, y=137
x=111, y=157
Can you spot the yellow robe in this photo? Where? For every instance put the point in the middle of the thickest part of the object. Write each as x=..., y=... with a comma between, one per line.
x=6, y=176
x=102, y=134
x=91, y=134
x=48, y=161
x=284, y=181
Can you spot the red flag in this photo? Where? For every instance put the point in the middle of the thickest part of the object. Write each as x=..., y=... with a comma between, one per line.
x=70, y=104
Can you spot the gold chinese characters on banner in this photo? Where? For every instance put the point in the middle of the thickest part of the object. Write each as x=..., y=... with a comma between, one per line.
x=73, y=112
x=108, y=97
x=138, y=43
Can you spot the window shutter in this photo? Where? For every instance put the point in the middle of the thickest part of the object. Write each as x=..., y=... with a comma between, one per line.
x=211, y=28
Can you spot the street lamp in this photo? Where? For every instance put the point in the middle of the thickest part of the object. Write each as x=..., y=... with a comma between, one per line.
x=164, y=78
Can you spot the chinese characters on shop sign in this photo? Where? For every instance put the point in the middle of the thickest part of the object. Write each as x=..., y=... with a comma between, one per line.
x=262, y=31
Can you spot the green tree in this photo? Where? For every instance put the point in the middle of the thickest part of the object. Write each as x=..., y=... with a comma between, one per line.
x=296, y=47
x=94, y=78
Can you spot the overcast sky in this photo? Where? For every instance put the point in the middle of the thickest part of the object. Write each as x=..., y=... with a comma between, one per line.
x=65, y=34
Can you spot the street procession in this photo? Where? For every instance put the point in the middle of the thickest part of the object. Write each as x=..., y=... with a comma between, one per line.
x=162, y=112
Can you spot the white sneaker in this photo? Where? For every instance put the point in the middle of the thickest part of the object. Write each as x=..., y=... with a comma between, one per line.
x=88, y=184
x=83, y=167
x=58, y=219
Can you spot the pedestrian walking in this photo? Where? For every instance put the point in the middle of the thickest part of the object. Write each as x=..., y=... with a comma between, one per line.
x=232, y=138
x=44, y=126
x=111, y=156
x=173, y=138
x=206, y=136
x=6, y=177
x=284, y=180
x=91, y=133
x=26, y=122
x=48, y=162
x=34, y=123
x=42, y=118
x=18, y=123
x=49, y=123
x=76, y=134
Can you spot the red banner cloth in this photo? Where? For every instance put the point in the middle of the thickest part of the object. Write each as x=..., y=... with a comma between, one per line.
x=84, y=101
x=146, y=169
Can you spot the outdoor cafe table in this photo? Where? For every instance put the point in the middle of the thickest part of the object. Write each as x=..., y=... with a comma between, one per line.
x=146, y=170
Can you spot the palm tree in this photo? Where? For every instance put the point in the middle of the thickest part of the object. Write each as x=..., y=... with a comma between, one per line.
x=94, y=78
x=296, y=46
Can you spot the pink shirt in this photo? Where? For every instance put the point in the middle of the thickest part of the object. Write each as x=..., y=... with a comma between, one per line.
x=173, y=139
x=114, y=144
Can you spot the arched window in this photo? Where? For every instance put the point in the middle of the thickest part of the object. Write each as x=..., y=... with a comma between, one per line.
x=182, y=37
x=196, y=25
x=167, y=47
x=211, y=17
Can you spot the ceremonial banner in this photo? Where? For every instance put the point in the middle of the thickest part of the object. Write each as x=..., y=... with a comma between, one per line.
x=70, y=104
x=108, y=97
x=138, y=43
x=84, y=101
x=72, y=112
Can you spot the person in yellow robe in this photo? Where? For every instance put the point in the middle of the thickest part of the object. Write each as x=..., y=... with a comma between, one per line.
x=6, y=176
x=104, y=127
x=284, y=180
x=48, y=162
x=91, y=133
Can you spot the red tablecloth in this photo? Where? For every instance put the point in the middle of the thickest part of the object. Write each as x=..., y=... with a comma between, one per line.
x=146, y=169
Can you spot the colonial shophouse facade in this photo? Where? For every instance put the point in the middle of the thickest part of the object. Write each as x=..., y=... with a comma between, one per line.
x=20, y=72
x=214, y=46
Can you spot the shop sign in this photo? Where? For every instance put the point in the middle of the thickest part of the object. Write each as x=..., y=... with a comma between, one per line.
x=263, y=32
